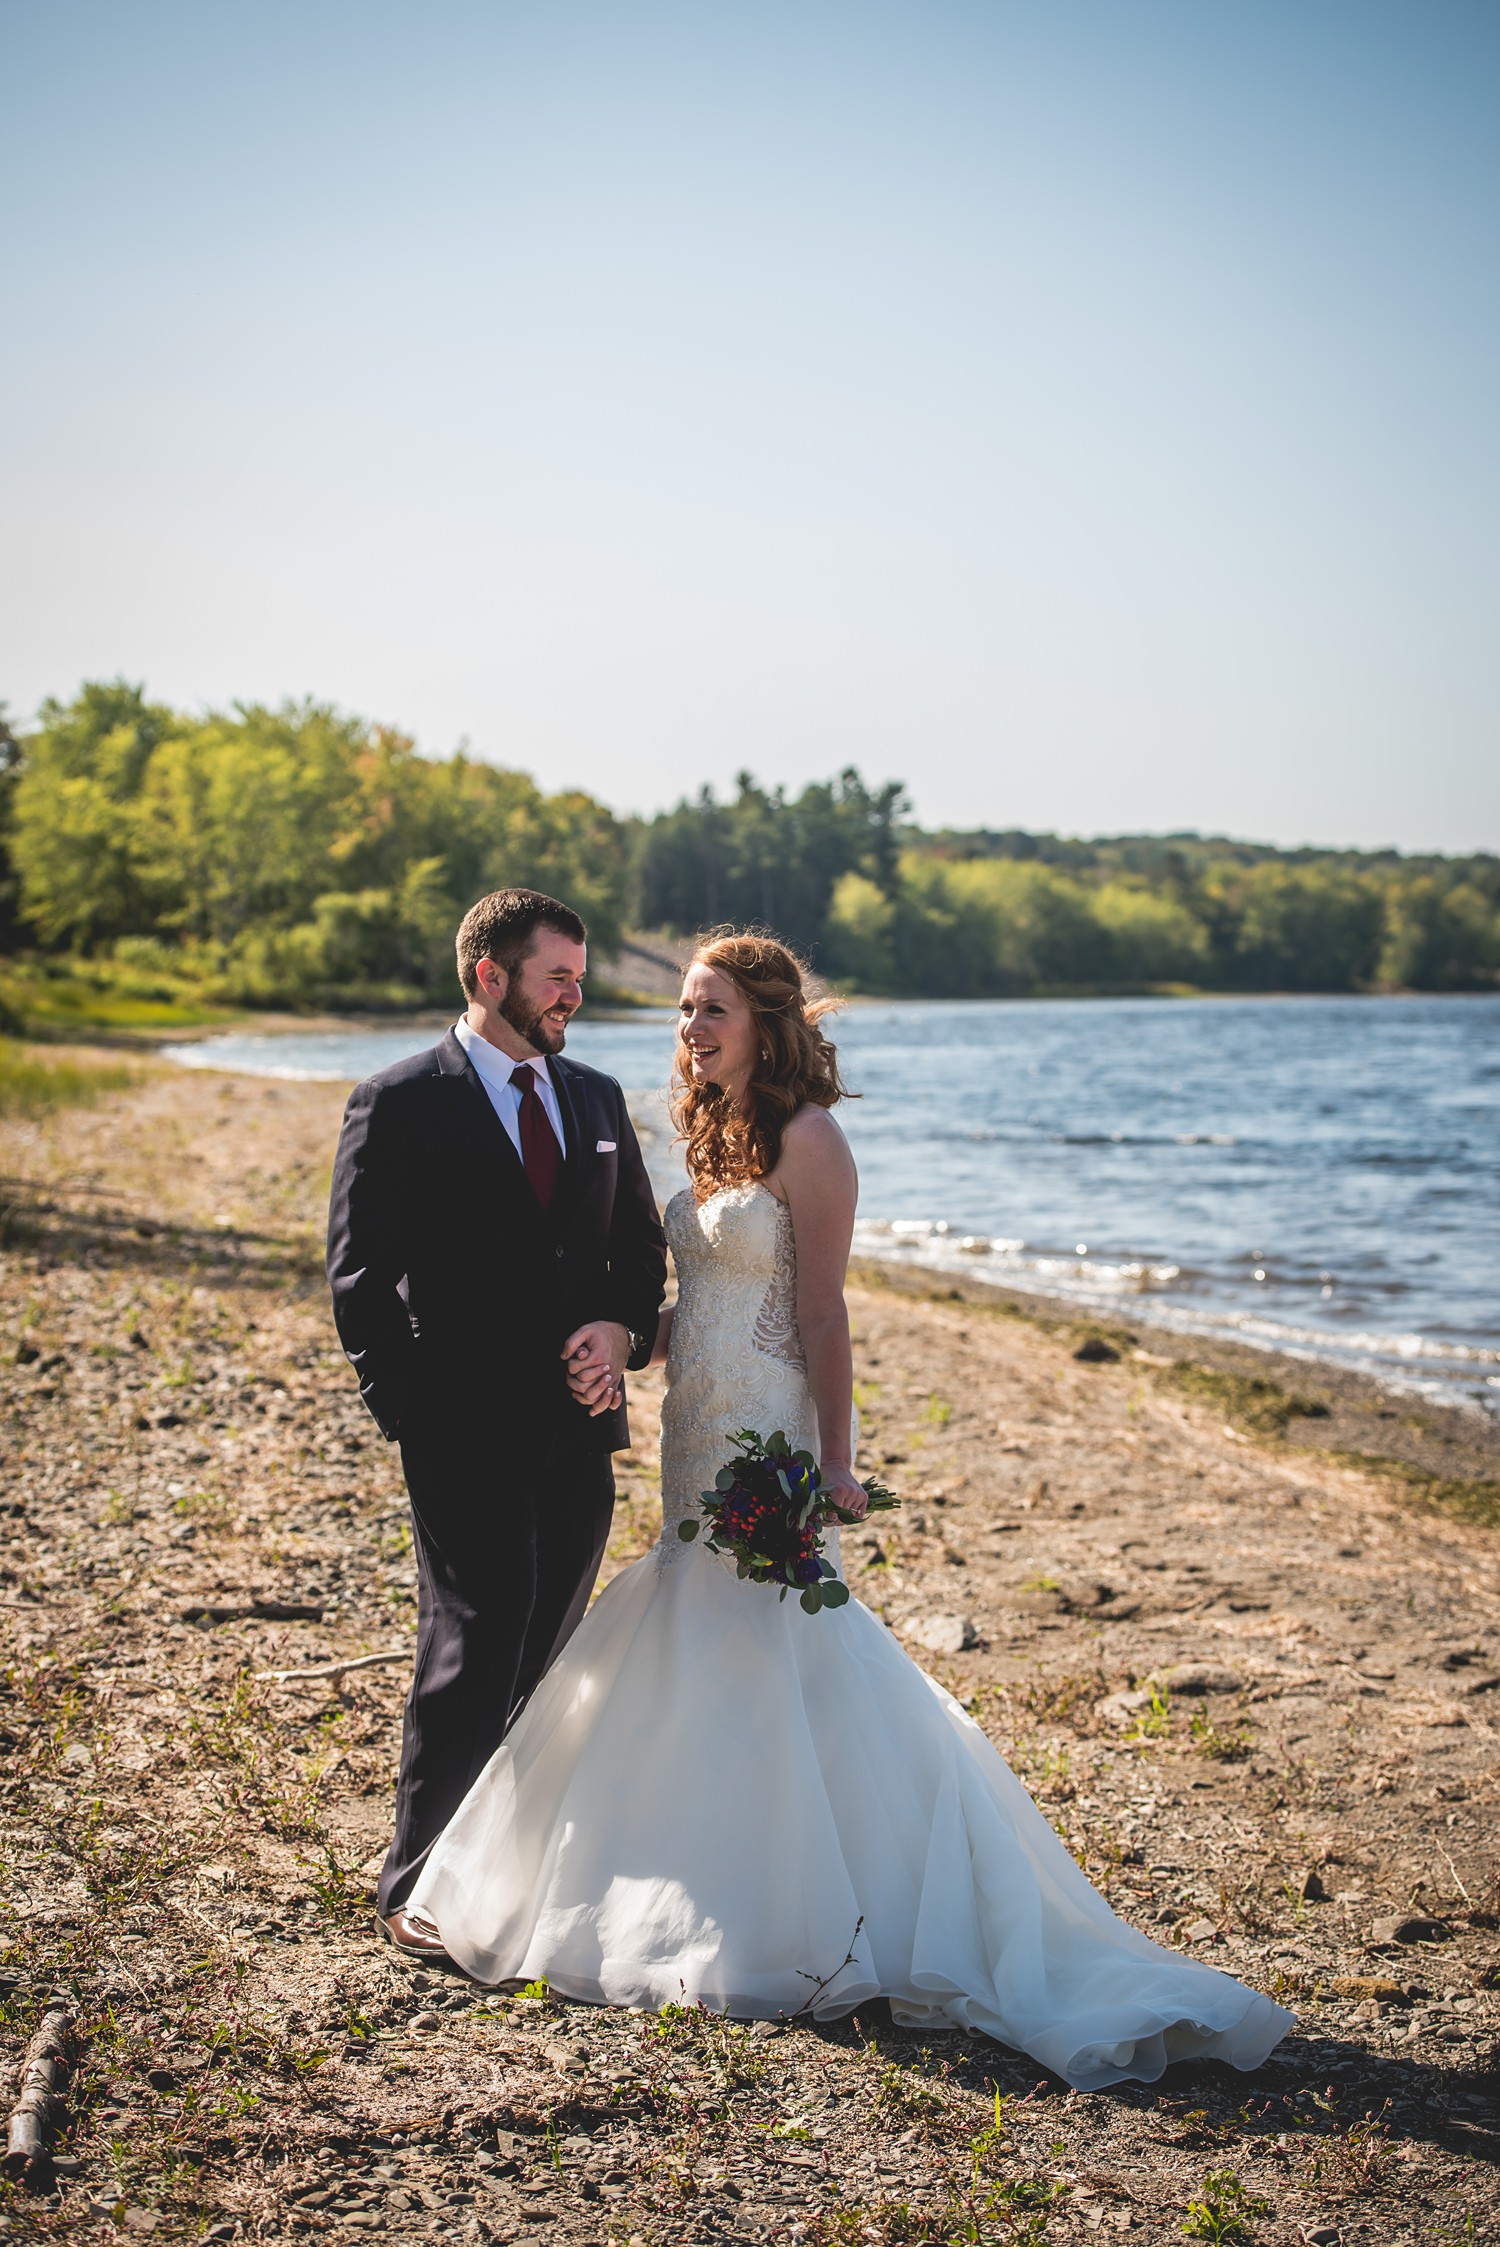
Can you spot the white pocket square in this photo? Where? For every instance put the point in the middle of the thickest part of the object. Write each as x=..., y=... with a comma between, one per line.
x=606, y=1147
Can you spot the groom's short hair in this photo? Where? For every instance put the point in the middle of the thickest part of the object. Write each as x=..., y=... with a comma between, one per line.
x=501, y=928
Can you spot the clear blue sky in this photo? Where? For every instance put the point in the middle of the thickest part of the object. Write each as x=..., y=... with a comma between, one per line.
x=1084, y=410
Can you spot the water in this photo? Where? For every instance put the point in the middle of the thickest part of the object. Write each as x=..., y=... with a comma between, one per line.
x=1314, y=1175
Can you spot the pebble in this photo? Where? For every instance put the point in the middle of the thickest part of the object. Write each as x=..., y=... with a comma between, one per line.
x=1200, y=1677
x=1374, y=1986
x=1200, y=1931
x=1408, y=1927
x=423, y=2021
x=1123, y=1708
x=944, y=1634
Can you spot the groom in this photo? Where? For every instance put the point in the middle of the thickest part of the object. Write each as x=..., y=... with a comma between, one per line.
x=496, y=1262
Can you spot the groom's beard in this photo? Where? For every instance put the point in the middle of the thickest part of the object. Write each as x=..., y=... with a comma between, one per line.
x=543, y=1033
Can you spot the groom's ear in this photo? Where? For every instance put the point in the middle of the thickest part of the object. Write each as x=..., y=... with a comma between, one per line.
x=491, y=978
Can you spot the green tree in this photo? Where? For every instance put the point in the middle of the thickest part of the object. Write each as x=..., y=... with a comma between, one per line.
x=71, y=837
x=239, y=820
x=10, y=886
x=767, y=859
x=858, y=933
x=1154, y=937
x=1306, y=928
x=1439, y=938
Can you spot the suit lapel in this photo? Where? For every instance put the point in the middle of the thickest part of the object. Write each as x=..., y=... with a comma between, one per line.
x=570, y=1100
x=496, y=1141
x=492, y=1138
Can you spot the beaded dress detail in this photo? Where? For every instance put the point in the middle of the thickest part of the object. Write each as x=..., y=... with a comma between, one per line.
x=736, y=1357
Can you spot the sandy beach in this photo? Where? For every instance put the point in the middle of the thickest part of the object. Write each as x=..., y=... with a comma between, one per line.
x=1233, y=1619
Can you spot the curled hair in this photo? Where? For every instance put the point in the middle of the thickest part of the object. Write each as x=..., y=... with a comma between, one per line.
x=795, y=1066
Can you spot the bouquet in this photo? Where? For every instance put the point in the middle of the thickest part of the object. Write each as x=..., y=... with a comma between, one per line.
x=768, y=1508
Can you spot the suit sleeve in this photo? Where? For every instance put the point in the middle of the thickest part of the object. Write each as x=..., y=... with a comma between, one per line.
x=366, y=1256
x=637, y=1247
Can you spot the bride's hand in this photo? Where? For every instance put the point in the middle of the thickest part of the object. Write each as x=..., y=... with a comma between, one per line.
x=842, y=1489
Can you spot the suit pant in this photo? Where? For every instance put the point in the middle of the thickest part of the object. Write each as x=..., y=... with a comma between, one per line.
x=508, y=1537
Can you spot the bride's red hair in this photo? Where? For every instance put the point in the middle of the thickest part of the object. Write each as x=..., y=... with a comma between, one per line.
x=795, y=1064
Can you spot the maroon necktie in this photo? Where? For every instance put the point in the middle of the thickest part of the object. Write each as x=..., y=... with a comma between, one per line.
x=540, y=1153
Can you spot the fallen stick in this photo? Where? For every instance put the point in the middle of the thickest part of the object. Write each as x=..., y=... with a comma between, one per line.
x=253, y=1611
x=332, y=1669
x=38, y=2112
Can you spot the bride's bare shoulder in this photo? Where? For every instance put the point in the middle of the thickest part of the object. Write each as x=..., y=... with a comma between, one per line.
x=813, y=1146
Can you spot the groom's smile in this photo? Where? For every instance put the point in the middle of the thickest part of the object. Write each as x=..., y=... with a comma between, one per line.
x=529, y=1011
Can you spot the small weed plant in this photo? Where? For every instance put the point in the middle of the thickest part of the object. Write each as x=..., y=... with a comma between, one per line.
x=1224, y=2213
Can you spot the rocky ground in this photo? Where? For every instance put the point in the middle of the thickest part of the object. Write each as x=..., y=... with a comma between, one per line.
x=1255, y=1686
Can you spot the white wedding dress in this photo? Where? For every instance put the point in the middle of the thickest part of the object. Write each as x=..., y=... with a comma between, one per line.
x=715, y=1798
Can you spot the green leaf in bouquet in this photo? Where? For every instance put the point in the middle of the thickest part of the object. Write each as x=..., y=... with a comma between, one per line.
x=781, y=1477
x=687, y=1531
x=812, y=1600
x=836, y=1594
x=777, y=1445
x=723, y=1480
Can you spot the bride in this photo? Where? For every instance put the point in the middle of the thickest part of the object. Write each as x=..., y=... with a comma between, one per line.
x=713, y=1797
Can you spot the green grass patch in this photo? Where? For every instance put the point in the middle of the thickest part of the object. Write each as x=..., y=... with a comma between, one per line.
x=1247, y=1399
x=1464, y=1498
x=59, y=998
x=31, y=1086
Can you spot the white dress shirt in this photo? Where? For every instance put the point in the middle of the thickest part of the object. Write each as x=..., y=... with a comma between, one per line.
x=493, y=1069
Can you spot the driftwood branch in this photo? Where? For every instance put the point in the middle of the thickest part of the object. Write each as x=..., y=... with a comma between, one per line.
x=332, y=1670
x=38, y=2113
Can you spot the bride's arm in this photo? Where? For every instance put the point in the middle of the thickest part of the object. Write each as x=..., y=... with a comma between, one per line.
x=817, y=1176
x=663, y=1335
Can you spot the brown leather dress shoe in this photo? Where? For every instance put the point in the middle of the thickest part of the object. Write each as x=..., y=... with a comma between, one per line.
x=414, y=1933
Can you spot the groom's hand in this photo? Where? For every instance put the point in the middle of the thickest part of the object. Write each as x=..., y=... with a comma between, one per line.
x=595, y=1358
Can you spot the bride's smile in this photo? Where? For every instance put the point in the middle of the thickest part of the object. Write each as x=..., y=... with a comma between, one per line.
x=717, y=1030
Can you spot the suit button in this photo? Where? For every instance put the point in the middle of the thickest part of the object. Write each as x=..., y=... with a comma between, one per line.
x=559, y=1252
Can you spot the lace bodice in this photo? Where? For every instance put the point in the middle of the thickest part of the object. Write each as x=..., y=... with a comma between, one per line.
x=736, y=1357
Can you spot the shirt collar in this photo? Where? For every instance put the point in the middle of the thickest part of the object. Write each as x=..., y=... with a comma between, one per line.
x=493, y=1065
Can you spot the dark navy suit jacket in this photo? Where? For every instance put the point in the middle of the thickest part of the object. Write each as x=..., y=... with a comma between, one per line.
x=453, y=1292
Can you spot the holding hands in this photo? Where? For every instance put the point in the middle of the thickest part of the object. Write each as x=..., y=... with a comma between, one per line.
x=595, y=1358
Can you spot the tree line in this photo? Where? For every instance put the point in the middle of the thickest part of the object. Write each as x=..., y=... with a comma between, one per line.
x=302, y=856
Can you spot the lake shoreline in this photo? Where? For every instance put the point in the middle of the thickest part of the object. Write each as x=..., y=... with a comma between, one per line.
x=1431, y=1449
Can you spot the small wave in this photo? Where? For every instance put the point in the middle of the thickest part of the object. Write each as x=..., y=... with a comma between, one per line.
x=917, y=1233
x=1144, y=1139
x=237, y=1063
x=1172, y=1297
